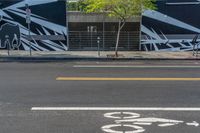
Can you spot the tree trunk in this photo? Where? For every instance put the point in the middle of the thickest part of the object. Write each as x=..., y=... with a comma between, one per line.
x=121, y=25
x=117, y=41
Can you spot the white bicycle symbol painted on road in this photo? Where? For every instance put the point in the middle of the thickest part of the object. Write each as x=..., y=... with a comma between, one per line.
x=135, y=123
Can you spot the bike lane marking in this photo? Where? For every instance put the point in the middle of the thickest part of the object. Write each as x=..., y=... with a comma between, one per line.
x=137, y=124
x=131, y=121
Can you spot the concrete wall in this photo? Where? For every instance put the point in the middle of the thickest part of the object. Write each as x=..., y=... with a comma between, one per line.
x=94, y=17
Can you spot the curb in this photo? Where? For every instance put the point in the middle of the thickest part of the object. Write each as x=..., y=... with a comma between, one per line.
x=63, y=59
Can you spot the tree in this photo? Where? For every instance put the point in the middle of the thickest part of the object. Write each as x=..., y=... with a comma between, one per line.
x=78, y=5
x=120, y=9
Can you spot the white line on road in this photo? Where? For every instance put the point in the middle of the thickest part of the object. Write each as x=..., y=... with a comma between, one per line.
x=131, y=66
x=194, y=123
x=115, y=108
x=167, y=124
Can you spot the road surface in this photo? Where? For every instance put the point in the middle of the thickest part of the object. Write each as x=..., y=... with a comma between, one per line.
x=100, y=97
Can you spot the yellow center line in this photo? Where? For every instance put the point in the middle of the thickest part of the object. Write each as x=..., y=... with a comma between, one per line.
x=123, y=79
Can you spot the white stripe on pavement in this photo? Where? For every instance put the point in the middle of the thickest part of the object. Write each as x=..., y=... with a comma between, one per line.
x=130, y=66
x=115, y=108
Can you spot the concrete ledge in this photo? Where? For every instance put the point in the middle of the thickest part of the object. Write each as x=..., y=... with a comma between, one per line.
x=76, y=16
x=58, y=56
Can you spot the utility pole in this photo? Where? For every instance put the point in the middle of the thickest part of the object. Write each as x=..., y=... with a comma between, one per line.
x=28, y=21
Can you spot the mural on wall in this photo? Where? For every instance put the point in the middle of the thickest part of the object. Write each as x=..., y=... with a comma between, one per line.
x=172, y=27
x=48, y=25
x=10, y=36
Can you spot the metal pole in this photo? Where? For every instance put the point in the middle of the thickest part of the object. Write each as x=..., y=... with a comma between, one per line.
x=151, y=47
x=193, y=49
x=129, y=40
x=140, y=34
x=28, y=21
x=29, y=34
x=103, y=31
x=68, y=45
x=91, y=36
x=8, y=44
x=8, y=49
x=98, y=42
x=80, y=40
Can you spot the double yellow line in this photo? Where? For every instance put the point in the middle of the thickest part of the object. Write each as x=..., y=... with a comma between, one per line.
x=123, y=79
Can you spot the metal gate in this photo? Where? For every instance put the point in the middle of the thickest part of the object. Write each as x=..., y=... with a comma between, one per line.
x=87, y=41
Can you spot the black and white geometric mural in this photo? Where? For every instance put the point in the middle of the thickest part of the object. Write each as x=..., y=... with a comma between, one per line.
x=172, y=26
x=48, y=25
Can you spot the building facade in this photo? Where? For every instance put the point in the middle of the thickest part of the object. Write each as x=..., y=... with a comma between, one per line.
x=47, y=28
x=169, y=28
x=172, y=26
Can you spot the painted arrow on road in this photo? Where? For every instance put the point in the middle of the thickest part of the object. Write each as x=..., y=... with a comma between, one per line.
x=194, y=123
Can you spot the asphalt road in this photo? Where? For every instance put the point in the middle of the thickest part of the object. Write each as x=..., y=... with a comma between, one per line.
x=100, y=97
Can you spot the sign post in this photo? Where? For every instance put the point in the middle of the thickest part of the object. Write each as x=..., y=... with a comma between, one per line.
x=28, y=21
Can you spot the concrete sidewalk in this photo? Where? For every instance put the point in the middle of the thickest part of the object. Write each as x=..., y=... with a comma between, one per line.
x=93, y=55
